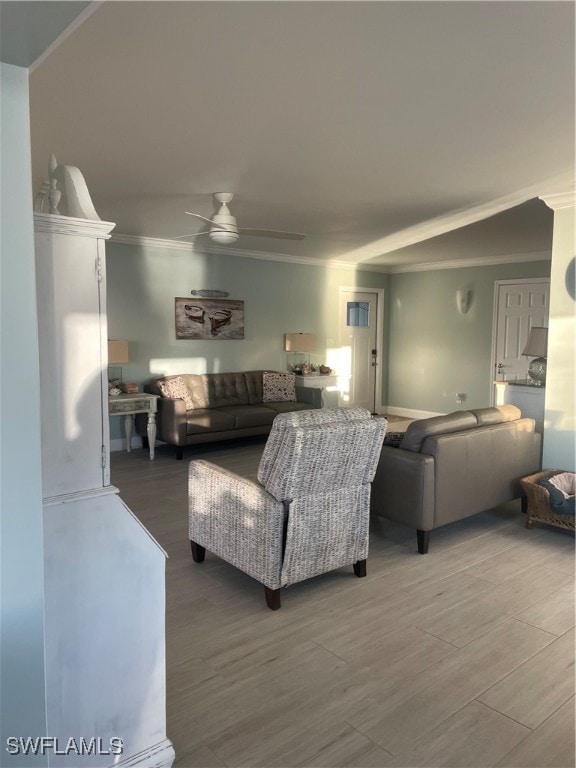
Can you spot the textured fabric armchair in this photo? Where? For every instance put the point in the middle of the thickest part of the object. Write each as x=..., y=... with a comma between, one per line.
x=307, y=514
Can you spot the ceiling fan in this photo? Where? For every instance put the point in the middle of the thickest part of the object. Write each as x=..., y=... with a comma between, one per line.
x=224, y=229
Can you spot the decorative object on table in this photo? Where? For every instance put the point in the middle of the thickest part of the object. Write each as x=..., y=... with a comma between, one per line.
x=224, y=228
x=208, y=293
x=209, y=319
x=114, y=391
x=537, y=347
x=299, y=346
x=550, y=498
x=129, y=388
x=117, y=357
x=325, y=370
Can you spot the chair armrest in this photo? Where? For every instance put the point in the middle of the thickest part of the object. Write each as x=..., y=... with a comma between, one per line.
x=237, y=519
x=403, y=488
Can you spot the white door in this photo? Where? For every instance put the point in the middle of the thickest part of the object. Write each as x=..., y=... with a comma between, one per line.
x=359, y=349
x=519, y=305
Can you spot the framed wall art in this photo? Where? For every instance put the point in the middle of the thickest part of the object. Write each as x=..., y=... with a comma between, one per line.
x=209, y=319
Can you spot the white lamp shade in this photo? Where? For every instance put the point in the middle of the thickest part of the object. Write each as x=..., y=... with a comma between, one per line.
x=537, y=344
x=299, y=342
x=118, y=352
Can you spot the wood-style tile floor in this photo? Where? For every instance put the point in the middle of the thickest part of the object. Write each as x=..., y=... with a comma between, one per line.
x=461, y=657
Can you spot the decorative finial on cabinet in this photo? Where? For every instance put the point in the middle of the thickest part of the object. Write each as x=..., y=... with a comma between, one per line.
x=54, y=195
x=48, y=190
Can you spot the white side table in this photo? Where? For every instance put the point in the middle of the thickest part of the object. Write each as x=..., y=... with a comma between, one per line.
x=320, y=381
x=127, y=406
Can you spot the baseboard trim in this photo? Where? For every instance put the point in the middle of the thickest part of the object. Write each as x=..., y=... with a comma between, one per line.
x=410, y=413
x=160, y=755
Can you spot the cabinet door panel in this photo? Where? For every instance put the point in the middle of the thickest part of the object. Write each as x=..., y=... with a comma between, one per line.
x=69, y=327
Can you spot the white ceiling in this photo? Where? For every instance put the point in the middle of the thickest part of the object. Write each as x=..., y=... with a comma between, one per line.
x=371, y=126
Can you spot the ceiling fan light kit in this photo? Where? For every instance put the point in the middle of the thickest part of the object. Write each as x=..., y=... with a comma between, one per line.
x=224, y=229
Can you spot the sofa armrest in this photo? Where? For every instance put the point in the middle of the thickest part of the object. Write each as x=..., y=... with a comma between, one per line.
x=237, y=519
x=171, y=421
x=403, y=488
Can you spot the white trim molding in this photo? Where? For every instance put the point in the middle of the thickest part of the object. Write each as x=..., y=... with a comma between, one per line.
x=68, y=225
x=559, y=200
x=175, y=245
x=409, y=413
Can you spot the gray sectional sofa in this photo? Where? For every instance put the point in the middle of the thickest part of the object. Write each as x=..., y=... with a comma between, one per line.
x=224, y=406
x=447, y=468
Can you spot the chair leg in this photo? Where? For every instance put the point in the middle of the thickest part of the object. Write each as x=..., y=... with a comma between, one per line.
x=360, y=568
x=272, y=598
x=423, y=538
x=198, y=552
x=529, y=523
x=179, y=452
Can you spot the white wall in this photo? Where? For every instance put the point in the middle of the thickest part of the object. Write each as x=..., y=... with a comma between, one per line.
x=22, y=581
x=560, y=415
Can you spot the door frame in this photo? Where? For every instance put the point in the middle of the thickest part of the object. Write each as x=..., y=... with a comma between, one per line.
x=379, y=334
x=497, y=285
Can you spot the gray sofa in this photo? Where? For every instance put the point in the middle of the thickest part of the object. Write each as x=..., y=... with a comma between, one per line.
x=447, y=468
x=224, y=406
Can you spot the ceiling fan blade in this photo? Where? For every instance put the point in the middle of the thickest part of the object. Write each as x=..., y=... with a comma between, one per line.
x=210, y=221
x=184, y=237
x=272, y=233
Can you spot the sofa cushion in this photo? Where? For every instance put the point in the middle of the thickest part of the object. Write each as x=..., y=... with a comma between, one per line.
x=253, y=381
x=174, y=388
x=288, y=406
x=249, y=415
x=202, y=420
x=278, y=387
x=420, y=429
x=496, y=415
x=197, y=384
x=227, y=389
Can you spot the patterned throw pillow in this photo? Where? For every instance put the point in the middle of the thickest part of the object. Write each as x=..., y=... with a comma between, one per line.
x=393, y=439
x=175, y=389
x=278, y=387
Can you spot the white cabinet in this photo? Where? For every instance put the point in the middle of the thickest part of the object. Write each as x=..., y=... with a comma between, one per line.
x=72, y=330
x=104, y=582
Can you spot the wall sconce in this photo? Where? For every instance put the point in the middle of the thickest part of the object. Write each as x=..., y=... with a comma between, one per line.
x=463, y=298
x=537, y=347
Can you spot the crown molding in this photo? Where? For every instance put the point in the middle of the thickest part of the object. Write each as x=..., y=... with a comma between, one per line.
x=69, y=225
x=175, y=245
x=559, y=200
x=477, y=262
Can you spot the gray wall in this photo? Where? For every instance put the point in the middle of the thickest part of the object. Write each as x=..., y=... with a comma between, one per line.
x=142, y=282
x=431, y=351
x=435, y=352
x=23, y=702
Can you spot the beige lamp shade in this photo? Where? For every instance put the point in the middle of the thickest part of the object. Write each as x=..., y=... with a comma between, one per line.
x=118, y=352
x=299, y=342
x=537, y=344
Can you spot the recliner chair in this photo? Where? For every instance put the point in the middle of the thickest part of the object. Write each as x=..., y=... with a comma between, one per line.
x=307, y=514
